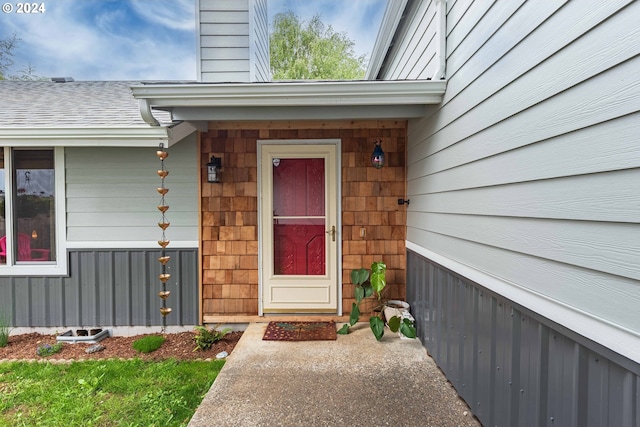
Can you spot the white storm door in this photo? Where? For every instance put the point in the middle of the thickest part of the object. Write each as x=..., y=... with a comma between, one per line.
x=299, y=227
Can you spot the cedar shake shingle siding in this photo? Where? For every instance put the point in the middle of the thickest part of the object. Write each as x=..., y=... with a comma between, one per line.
x=230, y=209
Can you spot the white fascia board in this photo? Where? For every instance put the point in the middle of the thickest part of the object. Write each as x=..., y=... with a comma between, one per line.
x=293, y=94
x=368, y=112
x=390, y=20
x=104, y=137
x=615, y=337
x=131, y=244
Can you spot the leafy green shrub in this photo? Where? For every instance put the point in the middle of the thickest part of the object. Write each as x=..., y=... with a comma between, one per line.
x=148, y=343
x=405, y=326
x=373, y=284
x=367, y=285
x=47, y=350
x=205, y=338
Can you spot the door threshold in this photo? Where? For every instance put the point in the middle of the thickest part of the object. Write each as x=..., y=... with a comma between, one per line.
x=300, y=312
x=275, y=317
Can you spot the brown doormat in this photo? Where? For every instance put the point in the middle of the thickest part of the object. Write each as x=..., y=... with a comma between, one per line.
x=300, y=331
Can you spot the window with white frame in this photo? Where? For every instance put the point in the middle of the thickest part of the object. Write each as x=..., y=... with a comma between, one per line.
x=28, y=231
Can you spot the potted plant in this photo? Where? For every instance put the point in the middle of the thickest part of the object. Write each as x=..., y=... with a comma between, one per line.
x=372, y=284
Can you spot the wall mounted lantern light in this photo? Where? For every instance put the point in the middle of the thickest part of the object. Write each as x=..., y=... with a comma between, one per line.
x=213, y=169
x=377, y=158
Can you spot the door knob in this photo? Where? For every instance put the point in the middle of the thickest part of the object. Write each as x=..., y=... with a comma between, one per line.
x=333, y=233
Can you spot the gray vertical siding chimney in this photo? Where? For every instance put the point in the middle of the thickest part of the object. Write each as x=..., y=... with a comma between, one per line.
x=233, y=41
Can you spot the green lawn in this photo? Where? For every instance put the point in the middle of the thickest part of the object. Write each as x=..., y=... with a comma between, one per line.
x=103, y=393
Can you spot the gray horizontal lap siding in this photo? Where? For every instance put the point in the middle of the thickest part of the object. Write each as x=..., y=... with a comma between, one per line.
x=528, y=170
x=512, y=367
x=260, y=49
x=233, y=41
x=111, y=194
x=112, y=287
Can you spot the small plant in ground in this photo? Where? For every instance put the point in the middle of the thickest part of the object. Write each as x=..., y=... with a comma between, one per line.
x=205, y=338
x=46, y=350
x=148, y=343
x=4, y=330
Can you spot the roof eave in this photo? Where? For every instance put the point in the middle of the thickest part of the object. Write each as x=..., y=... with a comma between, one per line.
x=293, y=94
x=98, y=136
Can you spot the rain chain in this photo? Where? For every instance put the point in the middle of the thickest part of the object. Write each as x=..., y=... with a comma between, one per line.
x=163, y=224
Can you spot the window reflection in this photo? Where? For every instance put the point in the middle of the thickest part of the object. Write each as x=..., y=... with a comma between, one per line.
x=299, y=222
x=34, y=206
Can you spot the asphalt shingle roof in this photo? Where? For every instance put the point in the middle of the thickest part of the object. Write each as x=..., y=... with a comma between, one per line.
x=83, y=104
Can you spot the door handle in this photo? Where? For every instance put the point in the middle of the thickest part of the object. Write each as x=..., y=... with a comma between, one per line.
x=333, y=233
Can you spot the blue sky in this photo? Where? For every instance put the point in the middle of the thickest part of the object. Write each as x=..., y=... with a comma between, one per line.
x=149, y=39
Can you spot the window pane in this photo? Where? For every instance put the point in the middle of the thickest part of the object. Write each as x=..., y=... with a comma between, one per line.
x=34, y=236
x=298, y=216
x=298, y=187
x=299, y=247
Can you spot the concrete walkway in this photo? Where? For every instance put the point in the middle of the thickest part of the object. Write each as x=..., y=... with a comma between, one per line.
x=351, y=381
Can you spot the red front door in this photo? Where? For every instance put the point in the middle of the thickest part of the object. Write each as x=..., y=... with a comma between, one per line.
x=299, y=213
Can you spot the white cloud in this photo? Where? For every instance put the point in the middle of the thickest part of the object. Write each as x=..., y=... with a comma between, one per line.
x=76, y=39
x=108, y=21
x=174, y=14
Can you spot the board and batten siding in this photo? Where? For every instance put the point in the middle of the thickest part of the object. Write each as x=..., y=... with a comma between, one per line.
x=529, y=170
x=111, y=195
x=513, y=367
x=233, y=41
x=105, y=288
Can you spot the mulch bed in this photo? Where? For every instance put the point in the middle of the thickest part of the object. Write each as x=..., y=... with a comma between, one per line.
x=178, y=346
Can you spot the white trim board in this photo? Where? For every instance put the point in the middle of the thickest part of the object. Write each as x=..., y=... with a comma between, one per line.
x=331, y=141
x=50, y=268
x=147, y=245
x=621, y=340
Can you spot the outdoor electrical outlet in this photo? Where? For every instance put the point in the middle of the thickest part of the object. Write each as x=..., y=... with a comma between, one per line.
x=363, y=232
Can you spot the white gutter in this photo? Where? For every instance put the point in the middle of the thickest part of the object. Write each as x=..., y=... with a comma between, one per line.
x=390, y=20
x=292, y=94
x=82, y=133
x=441, y=19
x=145, y=112
x=94, y=137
